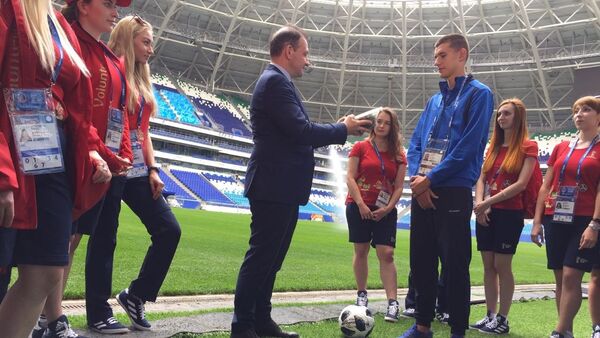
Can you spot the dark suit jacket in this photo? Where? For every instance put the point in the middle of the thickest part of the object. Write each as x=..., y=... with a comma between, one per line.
x=282, y=162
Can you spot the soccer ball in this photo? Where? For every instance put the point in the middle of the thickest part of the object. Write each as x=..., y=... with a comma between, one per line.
x=356, y=321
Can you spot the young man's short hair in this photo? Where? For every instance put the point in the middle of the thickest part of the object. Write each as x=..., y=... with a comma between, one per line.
x=286, y=35
x=456, y=41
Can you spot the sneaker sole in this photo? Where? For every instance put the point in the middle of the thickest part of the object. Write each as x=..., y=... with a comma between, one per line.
x=407, y=316
x=492, y=333
x=391, y=319
x=113, y=331
x=133, y=323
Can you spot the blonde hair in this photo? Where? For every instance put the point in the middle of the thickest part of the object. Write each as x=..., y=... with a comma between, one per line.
x=36, y=13
x=137, y=74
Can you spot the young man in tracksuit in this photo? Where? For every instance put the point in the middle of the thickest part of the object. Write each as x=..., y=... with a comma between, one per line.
x=444, y=160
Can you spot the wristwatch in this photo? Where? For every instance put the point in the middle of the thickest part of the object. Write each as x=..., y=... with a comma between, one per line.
x=153, y=168
x=595, y=224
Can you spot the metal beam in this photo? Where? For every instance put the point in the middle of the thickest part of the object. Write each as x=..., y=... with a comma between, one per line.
x=232, y=26
x=536, y=56
x=344, y=58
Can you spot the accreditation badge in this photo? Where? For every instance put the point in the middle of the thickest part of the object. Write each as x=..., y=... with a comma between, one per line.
x=35, y=130
x=564, y=206
x=139, y=167
x=434, y=153
x=114, y=130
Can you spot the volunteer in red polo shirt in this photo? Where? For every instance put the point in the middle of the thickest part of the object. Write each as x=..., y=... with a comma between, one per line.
x=506, y=171
x=376, y=170
x=569, y=208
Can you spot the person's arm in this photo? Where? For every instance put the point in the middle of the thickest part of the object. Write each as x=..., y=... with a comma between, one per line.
x=413, y=155
x=467, y=147
x=354, y=191
x=589, y=238
x=513, y=189
x=156, y=184
x=482, y=218
x=285, y=111
x=398, y=186
x=537, y=235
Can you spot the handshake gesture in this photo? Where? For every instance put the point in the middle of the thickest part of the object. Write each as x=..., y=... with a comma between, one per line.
x=355, y=126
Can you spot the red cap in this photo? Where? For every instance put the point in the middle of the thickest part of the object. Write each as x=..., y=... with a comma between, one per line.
x=120, y=3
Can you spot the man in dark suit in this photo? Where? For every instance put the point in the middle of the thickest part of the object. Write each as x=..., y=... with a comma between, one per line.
x=278, y=178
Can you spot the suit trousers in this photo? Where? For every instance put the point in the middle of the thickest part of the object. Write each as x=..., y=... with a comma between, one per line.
x=442, y=234
x=271, y=232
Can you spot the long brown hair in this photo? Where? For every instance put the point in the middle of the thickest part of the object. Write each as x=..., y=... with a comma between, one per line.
x=393, y=138
x=515, y=156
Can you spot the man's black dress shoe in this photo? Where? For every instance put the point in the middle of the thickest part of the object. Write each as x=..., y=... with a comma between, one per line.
x=271, y=329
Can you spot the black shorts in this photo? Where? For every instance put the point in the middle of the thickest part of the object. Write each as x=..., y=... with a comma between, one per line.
x=49, y=243
x=503, y=233
x=562, y=244
x=365, y=231
x=8, y=237
x=87, y=222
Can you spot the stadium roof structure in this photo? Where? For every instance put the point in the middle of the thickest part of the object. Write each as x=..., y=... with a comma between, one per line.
x=370, y=53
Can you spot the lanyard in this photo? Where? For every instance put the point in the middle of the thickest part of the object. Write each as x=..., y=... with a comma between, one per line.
x=380, y=158
x=56, y=39
x=564, y=165
x=139, y=120
x=437, y=118
x=123, y=84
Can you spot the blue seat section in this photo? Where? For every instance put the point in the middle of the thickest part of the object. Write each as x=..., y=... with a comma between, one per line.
x=222, y=116
x=325, y=200
x=311, y=209
x=201, y=187
x=184, y=108
x=184, y=112
x=240, y=200
x=181, y=195
x=164, y=110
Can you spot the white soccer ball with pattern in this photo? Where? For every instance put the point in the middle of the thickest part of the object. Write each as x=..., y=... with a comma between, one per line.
x=356, y=321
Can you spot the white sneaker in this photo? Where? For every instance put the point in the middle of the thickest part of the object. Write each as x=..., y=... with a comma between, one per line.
x=362, y=299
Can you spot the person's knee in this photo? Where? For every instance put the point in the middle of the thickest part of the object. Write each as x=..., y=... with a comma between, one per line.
x=42, y=280
x=571, y=278
x=386, y=255
x=595, y=278
x=503, y=267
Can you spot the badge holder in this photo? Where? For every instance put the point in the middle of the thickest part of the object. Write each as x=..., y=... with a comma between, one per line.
x=139, y=168
x=434, y=153
x=564, y=205
x=383, y=199
x=35, y=130
x=114, y=130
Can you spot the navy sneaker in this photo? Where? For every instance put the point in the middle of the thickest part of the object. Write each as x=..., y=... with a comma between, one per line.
x=498, y=325
x=414, y=333
x=595, y=331
x=442, y=317
x=109, y=325
x=481, y=323
x=362, y=299
x=60, y=328
x=134, y=307
x=409, y=312
x=40, y=327
x=393, y=311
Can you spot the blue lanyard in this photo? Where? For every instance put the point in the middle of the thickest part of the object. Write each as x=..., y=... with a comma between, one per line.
x=56, y=39
x=123, y=84
x=566, y=161
x=437, y=118
x=380, y=158
x=139, y=121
